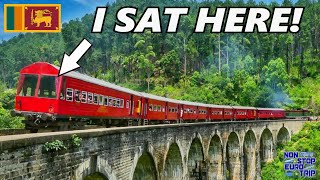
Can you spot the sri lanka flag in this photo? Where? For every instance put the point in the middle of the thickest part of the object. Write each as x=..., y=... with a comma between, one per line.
x=32, y=18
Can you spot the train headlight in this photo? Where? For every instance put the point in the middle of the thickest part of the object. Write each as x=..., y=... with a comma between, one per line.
x=51, y=109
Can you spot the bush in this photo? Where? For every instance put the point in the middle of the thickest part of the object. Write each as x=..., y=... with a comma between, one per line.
x=54, y=146
x=76, y=141
x=9, y=122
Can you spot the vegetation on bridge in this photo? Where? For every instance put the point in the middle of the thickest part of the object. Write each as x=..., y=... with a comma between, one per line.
x=307, y=140
x=266, y=70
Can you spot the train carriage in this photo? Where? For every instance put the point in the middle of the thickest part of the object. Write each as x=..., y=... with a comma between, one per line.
x=188, y=110
x=217, y=112
x=228, y=113
x=244, y=113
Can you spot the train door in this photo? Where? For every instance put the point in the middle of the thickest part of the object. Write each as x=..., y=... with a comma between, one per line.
x=181, y=112
x=145, y=109
x=131, y=105
x=166, y=111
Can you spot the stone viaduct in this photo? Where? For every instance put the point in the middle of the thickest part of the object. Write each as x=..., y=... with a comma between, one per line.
x=222, y=150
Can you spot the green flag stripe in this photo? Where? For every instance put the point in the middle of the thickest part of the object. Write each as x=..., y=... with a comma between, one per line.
x=10, y=18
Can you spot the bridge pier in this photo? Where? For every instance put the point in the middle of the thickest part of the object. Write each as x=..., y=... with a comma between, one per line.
x=232, y=150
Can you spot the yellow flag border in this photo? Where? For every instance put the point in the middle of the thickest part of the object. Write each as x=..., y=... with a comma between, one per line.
x=23, y=18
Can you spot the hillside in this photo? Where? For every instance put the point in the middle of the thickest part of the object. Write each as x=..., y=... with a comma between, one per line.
x=266, y=70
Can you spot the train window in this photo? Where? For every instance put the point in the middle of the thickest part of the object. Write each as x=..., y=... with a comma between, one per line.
x=121, y=103
x=150, y=107
x=127, y=104
x=118, y=103
x=47, y=87
x=105, y=100
x=84, y=97
x=69, y=94
x=170, y=110
x=114, y=102
x=163, y=109
x=101, y=99
x=27, y=85
x=110, y=101
x=90, y=97
x=77, y=95
x=185, y=110
x=155, y=108
x=95, y=99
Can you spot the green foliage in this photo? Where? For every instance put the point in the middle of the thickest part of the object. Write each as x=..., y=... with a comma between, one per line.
x=54, y=146
x=8, y=122
x=307, y=140
x=76, y=141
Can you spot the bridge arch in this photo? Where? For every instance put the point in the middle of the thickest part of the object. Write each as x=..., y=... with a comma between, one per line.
x=173, y=162
x=215, y=158
x=233, y=156
x=145, y=168
x=88, y=167
x=249, y=154
x=195, y=157
x=266, y=145
x=283, y=135
x=144, y=163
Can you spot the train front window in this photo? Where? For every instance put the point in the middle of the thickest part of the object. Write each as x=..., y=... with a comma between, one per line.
x=27, y=85
x=47, y=86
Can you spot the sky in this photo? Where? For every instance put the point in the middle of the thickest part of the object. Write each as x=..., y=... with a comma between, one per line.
x=71, y=9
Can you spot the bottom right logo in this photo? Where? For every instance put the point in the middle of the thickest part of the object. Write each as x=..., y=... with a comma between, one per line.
x=299, y=164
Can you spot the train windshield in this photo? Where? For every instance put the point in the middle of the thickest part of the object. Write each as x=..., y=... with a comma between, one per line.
x=48, y=86
x=28, y=86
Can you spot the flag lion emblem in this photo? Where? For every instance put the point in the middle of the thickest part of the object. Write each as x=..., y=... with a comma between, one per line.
x=41, y=16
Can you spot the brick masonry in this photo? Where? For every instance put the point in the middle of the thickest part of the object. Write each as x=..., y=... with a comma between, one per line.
x=170, y=151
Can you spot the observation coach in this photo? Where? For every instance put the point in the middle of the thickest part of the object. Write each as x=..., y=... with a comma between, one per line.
x=74, y=99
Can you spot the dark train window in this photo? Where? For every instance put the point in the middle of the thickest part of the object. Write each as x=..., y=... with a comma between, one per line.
x=110, y=101
x=159, y=108
x=27, y=85
x=69, y=94
x=118, y=103
x=95, y=99
x=101, y=99
x=77, y=95
x=90, y=97
x=150, y=107
x=47, y=86
x=62, y=89
x=105, y=101
x=155, y=108
x=84, y=97
x=114, y=102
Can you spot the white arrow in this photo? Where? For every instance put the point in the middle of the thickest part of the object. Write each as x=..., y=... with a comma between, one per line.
x=69, y=63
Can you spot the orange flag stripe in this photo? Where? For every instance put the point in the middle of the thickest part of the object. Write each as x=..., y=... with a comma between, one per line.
x=18, y=17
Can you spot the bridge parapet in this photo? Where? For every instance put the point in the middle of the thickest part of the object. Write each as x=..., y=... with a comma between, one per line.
x=177, y=151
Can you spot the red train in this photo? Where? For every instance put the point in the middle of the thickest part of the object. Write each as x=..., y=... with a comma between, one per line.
x=74, y=99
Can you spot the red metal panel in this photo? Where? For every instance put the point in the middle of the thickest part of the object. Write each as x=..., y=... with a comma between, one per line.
x=39, y=68
x=157, y=112
x=189, y=112
x=67, y=108
x=216, y=113
x=173, y=115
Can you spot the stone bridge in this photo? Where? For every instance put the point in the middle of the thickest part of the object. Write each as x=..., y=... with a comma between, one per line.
x=222, y=150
